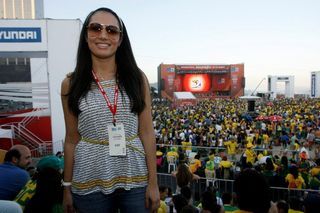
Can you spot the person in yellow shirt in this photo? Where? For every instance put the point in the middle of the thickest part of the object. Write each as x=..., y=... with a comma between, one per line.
x=315, y=171
x=231, y=148
x=195, y=164
x=187, y=147
x=162, y=208
x=172, y=152
x=250, y=154
x=294, y=179
x=265, y=140
x=163, y=190
x=224, y=167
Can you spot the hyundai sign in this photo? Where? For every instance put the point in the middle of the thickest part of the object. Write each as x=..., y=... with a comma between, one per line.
x=20, y=34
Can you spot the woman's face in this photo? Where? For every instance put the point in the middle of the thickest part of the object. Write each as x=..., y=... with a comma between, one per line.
x=103, y=35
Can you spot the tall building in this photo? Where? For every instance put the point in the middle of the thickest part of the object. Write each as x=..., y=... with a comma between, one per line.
x=315, y=84
x=21, y=9
x=17, y=68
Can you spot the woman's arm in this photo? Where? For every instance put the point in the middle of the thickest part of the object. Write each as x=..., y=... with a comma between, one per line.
x=147, y=136
x=71, y=140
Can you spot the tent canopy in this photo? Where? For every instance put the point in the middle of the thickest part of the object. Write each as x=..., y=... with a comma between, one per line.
x=184, y=95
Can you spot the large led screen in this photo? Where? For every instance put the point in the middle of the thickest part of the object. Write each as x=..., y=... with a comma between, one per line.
x=196, y=82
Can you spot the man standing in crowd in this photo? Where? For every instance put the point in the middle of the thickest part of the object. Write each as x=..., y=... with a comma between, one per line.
x=13, y=175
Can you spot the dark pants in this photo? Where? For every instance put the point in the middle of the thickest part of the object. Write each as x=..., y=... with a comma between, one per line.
x=127, y=201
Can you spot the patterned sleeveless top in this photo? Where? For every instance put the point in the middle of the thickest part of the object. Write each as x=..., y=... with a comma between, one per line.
x=94, y=169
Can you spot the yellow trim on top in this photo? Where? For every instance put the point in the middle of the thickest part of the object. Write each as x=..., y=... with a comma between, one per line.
x=106, y=142
x=110, y=183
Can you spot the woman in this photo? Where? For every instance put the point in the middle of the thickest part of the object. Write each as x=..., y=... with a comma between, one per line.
x=184, y=176
x=294, y=179
x=110, y=152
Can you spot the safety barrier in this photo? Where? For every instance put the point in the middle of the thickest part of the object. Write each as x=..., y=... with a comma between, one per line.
x=223, y=185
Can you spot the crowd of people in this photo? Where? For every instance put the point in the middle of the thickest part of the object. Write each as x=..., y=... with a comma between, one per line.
x=110, y=162
x=219, y=139
x=213, y=140
x=28, y=188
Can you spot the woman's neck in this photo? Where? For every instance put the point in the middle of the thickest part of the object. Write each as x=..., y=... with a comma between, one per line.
x=105, y=70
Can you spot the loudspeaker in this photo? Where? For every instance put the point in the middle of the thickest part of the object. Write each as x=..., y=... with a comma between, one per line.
x=251, y=105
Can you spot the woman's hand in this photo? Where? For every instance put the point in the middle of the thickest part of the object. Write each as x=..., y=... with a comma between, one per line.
x=152, y=198
x=67, y=201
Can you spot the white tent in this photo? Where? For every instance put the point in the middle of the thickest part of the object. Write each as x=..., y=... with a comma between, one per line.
x=184, y=98
x=184, y=95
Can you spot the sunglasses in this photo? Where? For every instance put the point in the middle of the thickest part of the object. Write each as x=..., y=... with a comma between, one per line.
x=94, y=29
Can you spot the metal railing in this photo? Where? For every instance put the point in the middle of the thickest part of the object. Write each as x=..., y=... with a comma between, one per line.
x=37, y=146
x=26, y=120
x=223, y=185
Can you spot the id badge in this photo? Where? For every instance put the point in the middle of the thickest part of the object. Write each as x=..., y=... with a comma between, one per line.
x=117, y=140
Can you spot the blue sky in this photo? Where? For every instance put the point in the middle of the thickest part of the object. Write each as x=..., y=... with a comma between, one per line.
x=271, y=37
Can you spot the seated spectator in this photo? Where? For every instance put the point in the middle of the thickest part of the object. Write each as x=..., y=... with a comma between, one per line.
x=13, y=175
x=172, y=153
x=29, y=189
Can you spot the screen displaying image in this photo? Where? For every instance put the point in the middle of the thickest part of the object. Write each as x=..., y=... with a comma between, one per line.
x=196, y=82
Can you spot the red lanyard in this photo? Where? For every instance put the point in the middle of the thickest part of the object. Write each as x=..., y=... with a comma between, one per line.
x=113, y=109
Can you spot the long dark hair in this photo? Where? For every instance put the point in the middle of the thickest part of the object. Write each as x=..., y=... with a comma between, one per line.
x=183, y=176
x=129, y=77
x=49, y=192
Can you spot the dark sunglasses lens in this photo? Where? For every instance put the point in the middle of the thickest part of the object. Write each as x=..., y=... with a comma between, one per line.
x=95, y=27
x=112, y=30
